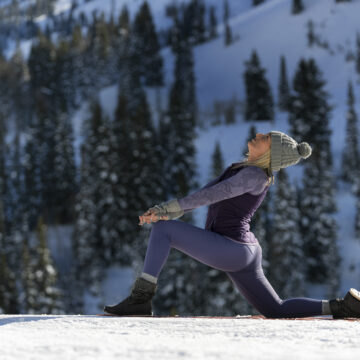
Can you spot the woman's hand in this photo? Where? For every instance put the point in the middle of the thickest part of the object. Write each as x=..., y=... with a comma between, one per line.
x=151, y=216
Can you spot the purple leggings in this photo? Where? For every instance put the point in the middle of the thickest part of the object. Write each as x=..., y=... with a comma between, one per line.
x=241, y=262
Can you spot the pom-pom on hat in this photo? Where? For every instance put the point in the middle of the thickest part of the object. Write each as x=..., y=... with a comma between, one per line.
x=285, y=151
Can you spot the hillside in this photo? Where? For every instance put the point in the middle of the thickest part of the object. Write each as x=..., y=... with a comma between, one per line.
x=272, y=31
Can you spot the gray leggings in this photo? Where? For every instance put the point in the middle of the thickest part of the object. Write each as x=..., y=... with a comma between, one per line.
x=240, y=261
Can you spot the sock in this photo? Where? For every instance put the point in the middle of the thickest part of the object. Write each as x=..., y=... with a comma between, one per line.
x=149, y=277
x=326, y=307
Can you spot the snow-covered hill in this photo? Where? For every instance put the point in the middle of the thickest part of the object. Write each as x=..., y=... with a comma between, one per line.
x=92, y=337
x=272, y=31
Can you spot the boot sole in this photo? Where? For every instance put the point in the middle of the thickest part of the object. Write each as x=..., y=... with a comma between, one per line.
x=355, y=293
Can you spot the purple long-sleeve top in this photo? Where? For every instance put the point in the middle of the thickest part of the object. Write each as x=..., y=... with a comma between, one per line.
x=233, y=197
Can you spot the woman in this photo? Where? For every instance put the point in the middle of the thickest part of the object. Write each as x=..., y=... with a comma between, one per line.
x=227, y=243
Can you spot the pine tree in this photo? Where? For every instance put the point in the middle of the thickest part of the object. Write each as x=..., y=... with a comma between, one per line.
x=8, y=299
x=48, y=295
x=65, y=168
x=144, y=175
x=310, y=34
x=65, y=73
x=193, y=22
x=297, y=7
x=286, y=252
x=32, y=174
x=350, y=155
x=259, y=100
x=357, y=215
x=228, y=33
x=90, y=249
x=212, y=23
x=309, y=121
x=283, y=90
x=309, y=106
x=217, y=162
x=257, y=2
x=357, y=62
x=183, y=117
x=147, y=48
x=180, y=168
x=8, y=291
x=318, y=227
x=29, y=294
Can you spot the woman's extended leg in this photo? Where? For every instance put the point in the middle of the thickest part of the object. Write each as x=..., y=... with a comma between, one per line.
x=258, y=292
x=205, y=246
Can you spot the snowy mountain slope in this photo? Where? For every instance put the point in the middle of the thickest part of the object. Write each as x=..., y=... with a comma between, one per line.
x=273, y=31
x=91, y=337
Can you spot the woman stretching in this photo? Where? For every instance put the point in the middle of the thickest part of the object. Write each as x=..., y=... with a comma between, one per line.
x=227, y=243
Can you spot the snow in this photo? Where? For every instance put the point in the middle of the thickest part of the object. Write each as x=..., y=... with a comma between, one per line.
x=92, y=337
x=272, y=31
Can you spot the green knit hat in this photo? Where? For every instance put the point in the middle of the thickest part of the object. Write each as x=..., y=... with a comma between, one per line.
x=285, y=151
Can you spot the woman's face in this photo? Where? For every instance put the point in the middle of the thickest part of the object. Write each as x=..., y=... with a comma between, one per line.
x=259, y=145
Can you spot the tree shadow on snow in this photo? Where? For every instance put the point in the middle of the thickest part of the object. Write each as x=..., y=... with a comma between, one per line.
x=20, y=319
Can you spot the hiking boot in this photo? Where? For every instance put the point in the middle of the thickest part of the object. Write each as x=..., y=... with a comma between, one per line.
x=347, y=307
x=139, y=301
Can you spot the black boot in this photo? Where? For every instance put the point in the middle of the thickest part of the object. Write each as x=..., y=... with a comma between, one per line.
x=139, y=301
x=347, y=307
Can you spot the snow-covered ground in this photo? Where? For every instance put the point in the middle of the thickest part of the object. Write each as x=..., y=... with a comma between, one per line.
x=92, y=337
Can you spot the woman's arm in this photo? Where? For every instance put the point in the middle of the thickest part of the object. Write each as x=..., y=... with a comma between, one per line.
x=252, y=180
x=209, y=184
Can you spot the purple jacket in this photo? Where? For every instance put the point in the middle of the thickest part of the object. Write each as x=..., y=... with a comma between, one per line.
x=233, y=197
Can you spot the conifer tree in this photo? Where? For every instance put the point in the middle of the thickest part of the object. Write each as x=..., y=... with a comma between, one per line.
x=259, y=100
x=90, y=247
x=32, y=173
x=65, y=168
x=147, y=48
x=309, y=121
x=286, y=252
x=183, y=119
x=217, y=162
x=310, y=34
x=8, y=291
x=228, y=33
x=350, y=155
x=357, y=214
x=8, y=299
x=297, y=7
x=357, y=62
x=65, y=74
x=283, y=90
x=212, y=23
x=257, y=2
x=124, y=21
x=180, y=167
x=143, y=178
x=48, y=295
x=29, y=293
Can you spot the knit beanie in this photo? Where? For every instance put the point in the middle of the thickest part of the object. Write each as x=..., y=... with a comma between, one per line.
x=285, y=151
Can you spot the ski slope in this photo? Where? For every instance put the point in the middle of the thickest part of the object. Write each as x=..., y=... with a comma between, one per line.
x=91, y=337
